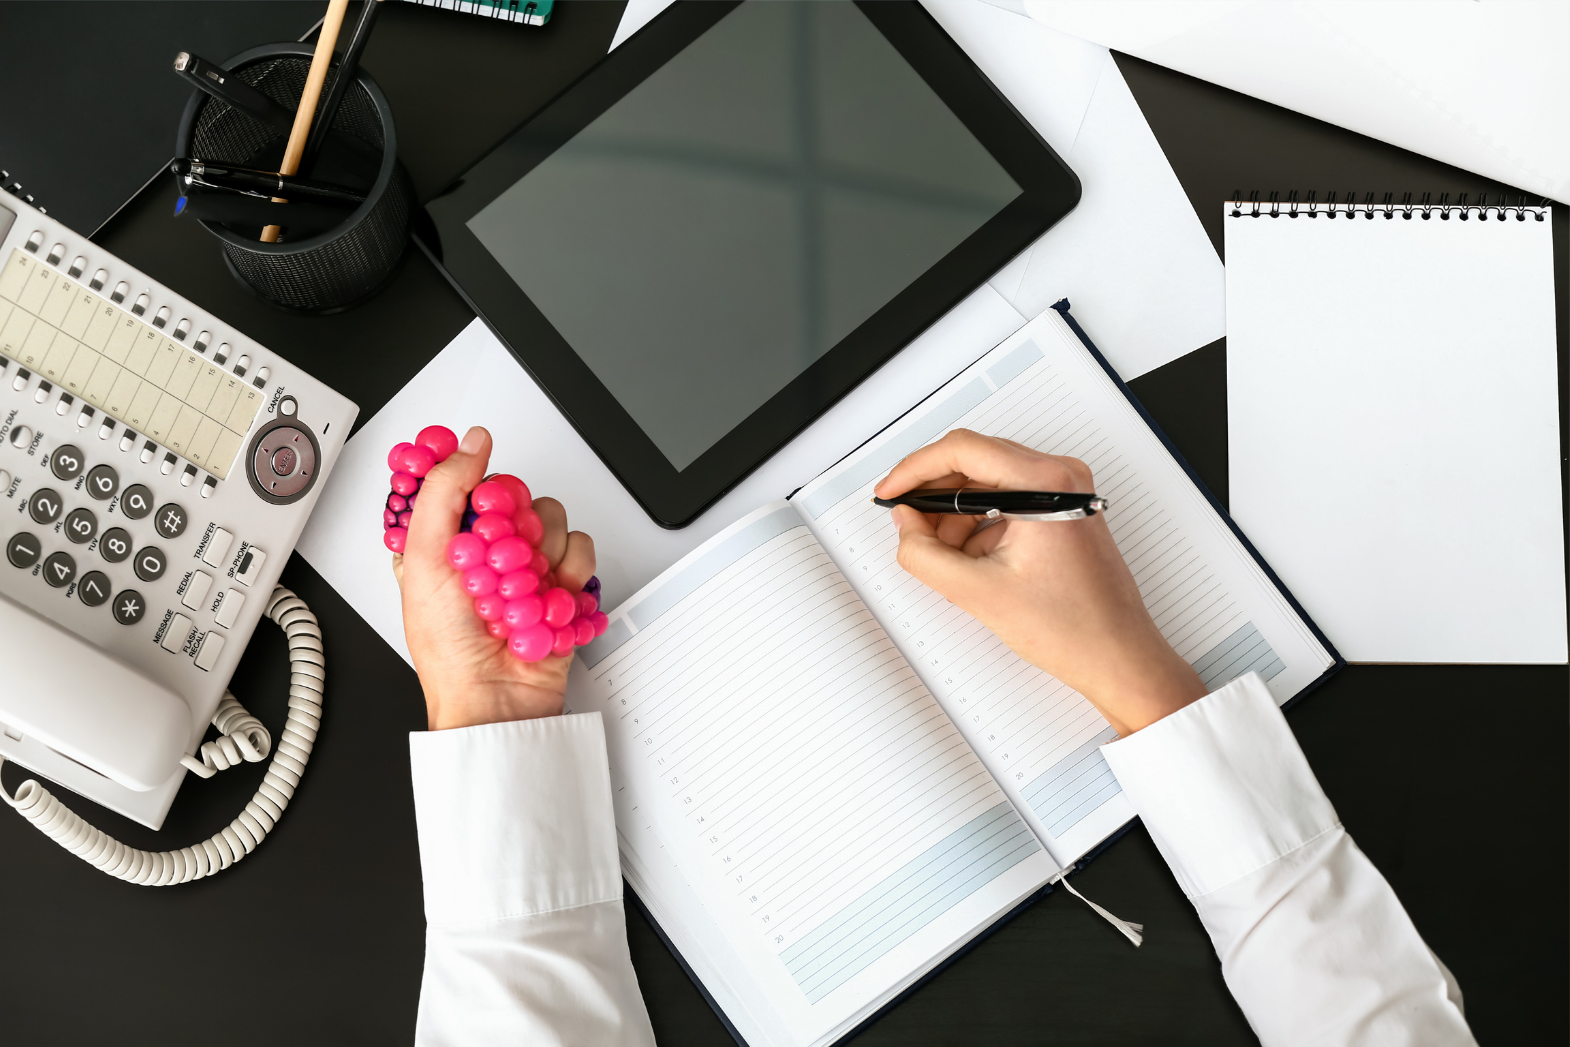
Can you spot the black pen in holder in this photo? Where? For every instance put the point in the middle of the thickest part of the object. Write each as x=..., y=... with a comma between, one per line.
x=335, y=268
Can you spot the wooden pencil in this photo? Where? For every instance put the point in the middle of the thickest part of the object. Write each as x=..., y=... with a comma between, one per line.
x=326, y=40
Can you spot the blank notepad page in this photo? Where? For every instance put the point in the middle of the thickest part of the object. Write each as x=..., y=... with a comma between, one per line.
x=1393, y=426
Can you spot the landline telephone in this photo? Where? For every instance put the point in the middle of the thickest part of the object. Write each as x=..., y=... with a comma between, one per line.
x=156, y=469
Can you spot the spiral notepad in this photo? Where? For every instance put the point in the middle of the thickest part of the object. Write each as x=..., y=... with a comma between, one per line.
x=1393, y=419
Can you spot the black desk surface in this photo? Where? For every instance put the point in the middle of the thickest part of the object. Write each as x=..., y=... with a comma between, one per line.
x=1451, y=778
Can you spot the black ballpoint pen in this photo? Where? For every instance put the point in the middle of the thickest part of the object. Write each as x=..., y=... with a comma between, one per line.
x=994, y=505
x=231, y=90
x=346, y=70
x=266, y=184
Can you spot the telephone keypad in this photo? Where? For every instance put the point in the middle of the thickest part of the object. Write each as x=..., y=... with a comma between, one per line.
x=115, y=545
x=170, y=520
x=129, y=607
x=102, y=482
x=93, y=589
x=60, y=569
x=136, y=502
x=66, y=462
x=81, y=525
x=150, y=563
x=44, y=506
x=23, y=550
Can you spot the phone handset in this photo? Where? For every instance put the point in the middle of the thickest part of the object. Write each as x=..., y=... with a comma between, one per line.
x=242, y=736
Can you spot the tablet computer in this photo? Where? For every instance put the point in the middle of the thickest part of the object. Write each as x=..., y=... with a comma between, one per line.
x=733, y=219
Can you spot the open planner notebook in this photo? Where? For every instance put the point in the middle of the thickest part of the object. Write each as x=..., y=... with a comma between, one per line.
x=827, y=778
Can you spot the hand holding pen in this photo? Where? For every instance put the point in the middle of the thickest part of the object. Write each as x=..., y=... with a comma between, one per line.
x=1060, y=595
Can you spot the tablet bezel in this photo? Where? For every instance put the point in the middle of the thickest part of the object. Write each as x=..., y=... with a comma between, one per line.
x=674, y=498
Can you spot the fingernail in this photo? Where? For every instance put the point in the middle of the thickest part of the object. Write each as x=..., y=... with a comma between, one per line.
x=471, y=441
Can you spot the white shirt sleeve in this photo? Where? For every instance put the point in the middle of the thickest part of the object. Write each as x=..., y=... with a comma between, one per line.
x=526, y=938
x=1313, y=942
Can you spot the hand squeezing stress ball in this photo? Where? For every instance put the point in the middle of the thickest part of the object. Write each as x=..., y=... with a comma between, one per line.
x=496, y=591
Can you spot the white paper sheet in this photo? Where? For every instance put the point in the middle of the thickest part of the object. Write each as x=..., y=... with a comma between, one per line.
x=475, y=381
x=1132, y=257
x=1393, y=429
x=1481, y=85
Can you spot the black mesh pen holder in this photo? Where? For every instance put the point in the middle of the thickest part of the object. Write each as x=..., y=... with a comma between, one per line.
x=330, y=270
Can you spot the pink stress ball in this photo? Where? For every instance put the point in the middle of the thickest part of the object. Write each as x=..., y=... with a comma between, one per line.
x=530, y=527
x=491, y=497
x=404, y=483
x=523, y=612
x=492, y=527
x=532, y=643
x=441, y=440
x=601, y=621
x=389, y=519
x=479, y=581
x=519, y=583
x=490, y=608
x=564, y=640
x=560, y=607
x=395, y=538
x=395, y=456
x=498, y=629
x=519, y=490
x=465, y=551
x=539, y=564
x=583, y=631
x=588, y=603
x=419, y=460
x=508, y=555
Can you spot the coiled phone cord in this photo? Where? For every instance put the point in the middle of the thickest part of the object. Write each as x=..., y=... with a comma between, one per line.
x=243, y=738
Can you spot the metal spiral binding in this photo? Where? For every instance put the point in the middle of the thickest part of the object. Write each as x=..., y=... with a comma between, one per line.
x=307, y=674
x=1387, y=207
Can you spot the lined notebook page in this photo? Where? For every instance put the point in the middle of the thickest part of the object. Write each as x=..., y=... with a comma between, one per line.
x=1040, y=738
x=839, y=829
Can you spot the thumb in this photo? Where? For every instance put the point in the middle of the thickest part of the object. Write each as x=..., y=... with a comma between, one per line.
x=439, y=511
x=930, y=559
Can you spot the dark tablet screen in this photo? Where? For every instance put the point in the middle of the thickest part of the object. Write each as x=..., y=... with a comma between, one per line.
x=700, y=248
x=734, y=218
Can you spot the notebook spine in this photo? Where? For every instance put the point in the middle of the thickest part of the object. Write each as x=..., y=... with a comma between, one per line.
x=1389, y=208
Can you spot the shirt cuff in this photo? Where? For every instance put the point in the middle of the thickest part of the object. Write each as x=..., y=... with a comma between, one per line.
x=514, y=819
x=1222, y=786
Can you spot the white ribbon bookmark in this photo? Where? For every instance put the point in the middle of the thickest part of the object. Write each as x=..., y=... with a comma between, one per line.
x=1134, y=932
